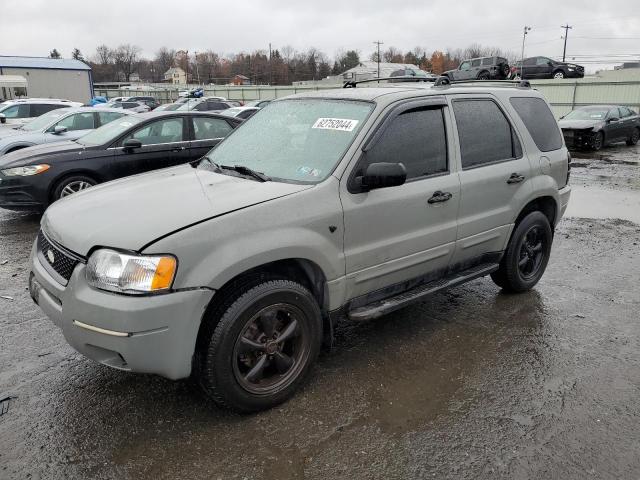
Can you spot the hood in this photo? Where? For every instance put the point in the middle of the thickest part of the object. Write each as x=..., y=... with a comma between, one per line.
x=579, y=124
x=11, y=130
x=38, y=153
x=134, y=211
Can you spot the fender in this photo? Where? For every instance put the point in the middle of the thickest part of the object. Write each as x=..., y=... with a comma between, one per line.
x=16, y=145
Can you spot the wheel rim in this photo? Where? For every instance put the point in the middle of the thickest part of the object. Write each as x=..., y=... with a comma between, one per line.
x=531, y=252
x=597, y=143
x=271, y=349
x=635, y=136
x=74, y=187
x=559, y=75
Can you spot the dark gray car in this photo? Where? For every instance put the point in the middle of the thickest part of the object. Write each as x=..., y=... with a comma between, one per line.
x=595, y=126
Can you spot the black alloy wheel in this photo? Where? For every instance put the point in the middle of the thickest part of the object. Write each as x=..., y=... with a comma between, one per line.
x=531, y=252
x=598, y=141
x=635, y=136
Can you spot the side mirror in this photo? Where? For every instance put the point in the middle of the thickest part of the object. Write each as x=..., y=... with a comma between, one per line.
x=550, y=64
x=131, y=144
x=3, y=118
x=59, y=129
x=613, y=119
x=382, y=175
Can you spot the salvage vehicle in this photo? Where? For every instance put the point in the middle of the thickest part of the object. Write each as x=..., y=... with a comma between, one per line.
x=484, y=68
x=61, y=124
x=19, y=112
x=348, y=202
x=33, y=178
x=204, y=105
x=240, y=112
x=544, y=67
x=595, y=126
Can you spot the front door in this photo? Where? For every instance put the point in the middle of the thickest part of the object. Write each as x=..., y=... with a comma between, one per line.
x=494, y=178
x=397, y=234
x=164, y=144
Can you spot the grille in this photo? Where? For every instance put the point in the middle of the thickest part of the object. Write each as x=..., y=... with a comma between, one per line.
x=62, y=264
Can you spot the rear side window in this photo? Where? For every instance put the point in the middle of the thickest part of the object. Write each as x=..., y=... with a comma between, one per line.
x=485, y=133
x=205, y=128
x=38, y=109
x=475, y=63
x=487, y=61
x=538, y=119
x=106, y=117
x=415, y=138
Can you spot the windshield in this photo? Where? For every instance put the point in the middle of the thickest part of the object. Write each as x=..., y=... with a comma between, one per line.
x=588, y=114
x=299, y=141
x=108, y=132
x=43, y=121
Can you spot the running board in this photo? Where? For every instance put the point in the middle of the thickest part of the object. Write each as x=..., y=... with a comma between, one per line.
x=388, y=305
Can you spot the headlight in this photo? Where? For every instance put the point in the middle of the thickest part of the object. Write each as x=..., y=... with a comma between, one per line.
x=135, y=274
x=25, y=171
x=571, y=69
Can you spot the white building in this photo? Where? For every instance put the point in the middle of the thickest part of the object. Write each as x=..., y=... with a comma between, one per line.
x=175, y=75
x=51, y=77
x=367, y=70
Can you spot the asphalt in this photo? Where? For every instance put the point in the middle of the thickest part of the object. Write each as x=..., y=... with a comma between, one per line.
x=471, y=383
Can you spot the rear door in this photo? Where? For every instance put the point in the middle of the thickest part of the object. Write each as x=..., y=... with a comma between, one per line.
x=616, y=128
x=395, y=235
x=207, y=132
x=164, y=144
x=493, y=178
x=528, y=68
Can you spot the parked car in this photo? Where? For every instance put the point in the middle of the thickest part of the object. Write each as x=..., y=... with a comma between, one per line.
x=544, y=67
x=240, y=112
x=56, y=126
x=34, y=177
x=483, y=68
x=150, y=102
x=19, y=112
x=595, y=126
x=257, y=103
x=204, y=105
x=168, y=107
x=410, y=72
x=326, y=204
x=135, y=107
x=199, y=99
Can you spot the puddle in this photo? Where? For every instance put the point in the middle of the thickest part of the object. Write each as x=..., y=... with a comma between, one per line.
x=597, y=202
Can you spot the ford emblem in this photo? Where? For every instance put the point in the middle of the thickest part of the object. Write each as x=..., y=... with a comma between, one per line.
x=51, y=256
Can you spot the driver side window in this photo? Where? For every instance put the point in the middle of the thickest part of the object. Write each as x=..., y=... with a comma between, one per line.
x=78, y=121
x=161, y=131
x=465, y=65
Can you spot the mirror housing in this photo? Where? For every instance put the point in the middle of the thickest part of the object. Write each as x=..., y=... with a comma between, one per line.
x=132, y=144
x=550, y=64
x=59, y=129
x=613, y=119
x=382, y=175
x=3, y=118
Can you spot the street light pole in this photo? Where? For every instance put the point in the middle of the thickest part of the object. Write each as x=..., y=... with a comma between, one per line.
x=566, y=34
x=195, y=54
x=378, y=43
x=524, y=36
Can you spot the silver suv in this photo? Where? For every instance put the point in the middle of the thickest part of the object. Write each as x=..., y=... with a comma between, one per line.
x=339, y=203
x=21, y=111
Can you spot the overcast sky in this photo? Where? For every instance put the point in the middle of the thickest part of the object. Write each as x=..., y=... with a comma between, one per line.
x=604, y=29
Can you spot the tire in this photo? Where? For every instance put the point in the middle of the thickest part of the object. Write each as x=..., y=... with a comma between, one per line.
x=483, y=76
x=242, y=364
x=527, y=254
x=72, y=184
x=598, y=142
x=635, y=136
x=505, y=69
x=558, y=74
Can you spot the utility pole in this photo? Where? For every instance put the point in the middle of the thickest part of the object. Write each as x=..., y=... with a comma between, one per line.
x=195, y=54
x=270, y=70
x=566, y=34
x=524, y=36
x=378, y=43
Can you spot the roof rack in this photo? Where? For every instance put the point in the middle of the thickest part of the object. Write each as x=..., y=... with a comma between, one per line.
x=446, y=82
x=353, y=83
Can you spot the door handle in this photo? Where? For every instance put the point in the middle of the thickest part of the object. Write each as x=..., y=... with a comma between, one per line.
x=177, y=149
x=439, y=196
x=515, y=178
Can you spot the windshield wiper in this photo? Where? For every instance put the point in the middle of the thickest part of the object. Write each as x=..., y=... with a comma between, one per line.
x=244, y=170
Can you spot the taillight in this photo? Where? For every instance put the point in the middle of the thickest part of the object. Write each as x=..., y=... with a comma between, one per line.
x=568, y=168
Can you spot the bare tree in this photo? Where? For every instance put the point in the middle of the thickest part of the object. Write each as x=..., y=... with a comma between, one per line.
x=104, y=55
x=126, y=58
x=164, y=59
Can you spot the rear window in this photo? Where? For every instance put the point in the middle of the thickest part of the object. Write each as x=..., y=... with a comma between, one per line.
x=538, y=119
x=487, y=61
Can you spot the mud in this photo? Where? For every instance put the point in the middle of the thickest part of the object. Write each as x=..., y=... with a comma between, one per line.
x=471, y=383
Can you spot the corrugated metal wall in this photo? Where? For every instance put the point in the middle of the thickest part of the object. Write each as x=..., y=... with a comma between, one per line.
x=564, y=95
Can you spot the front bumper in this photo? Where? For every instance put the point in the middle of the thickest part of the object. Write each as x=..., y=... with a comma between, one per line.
x=147, y=334
x=16, y=194
x=577, y=139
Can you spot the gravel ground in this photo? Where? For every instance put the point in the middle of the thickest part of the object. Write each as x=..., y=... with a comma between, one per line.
x=471, y=383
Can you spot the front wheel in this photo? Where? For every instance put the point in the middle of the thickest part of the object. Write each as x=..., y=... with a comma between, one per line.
x=558, y=75
x=527, y=254
x=262, y=347
x=598, y=141
x=73, y=184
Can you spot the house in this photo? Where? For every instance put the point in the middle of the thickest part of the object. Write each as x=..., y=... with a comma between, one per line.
x=175, y=75
x=368, y=70
x=240, y=80
x=51, y=77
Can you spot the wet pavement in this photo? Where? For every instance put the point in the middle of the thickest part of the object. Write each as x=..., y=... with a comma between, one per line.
x=471, y=383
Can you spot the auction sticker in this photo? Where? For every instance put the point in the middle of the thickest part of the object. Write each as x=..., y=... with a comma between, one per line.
x=342, y=124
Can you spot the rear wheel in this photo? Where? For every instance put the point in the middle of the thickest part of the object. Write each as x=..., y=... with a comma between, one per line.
x=483, y=76
x=635, y=136
x=72, y=184
x=261, y=349
x=558, y=74
x=527, y=254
